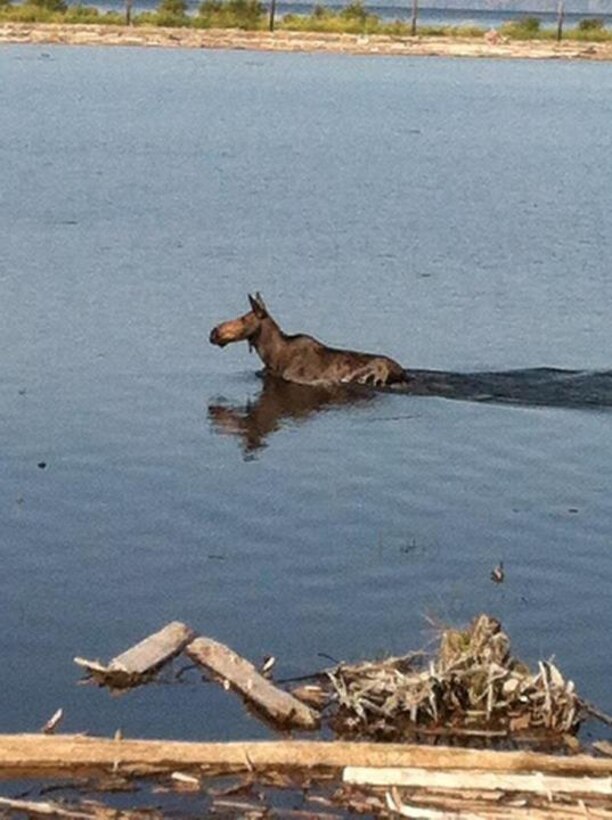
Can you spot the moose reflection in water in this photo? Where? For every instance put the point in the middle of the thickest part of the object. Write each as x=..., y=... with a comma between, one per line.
x=302, y=359
x=279, y=403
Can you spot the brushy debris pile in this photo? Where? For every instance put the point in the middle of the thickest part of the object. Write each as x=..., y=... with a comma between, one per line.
x=473, y=686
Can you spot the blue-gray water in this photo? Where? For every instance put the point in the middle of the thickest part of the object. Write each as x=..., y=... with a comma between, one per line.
x=455, y=215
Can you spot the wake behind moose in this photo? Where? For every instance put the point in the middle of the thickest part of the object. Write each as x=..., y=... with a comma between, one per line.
x=301, y=358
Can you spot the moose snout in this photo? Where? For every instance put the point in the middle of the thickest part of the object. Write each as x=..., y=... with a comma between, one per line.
x=214, y=337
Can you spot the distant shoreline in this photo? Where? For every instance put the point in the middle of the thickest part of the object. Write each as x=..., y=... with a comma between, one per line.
x=292, y=41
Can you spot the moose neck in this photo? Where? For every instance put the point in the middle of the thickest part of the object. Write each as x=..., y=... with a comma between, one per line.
x=269, y=343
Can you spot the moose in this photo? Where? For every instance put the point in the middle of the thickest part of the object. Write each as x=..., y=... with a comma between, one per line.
x=303, y=359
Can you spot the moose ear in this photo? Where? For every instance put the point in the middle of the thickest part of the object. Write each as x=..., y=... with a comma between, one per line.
x=258, y=306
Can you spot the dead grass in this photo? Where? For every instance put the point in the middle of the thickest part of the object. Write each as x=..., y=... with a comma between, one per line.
x=472, y=686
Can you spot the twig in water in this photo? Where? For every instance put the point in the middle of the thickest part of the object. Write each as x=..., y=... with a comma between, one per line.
x=329, y=658
x=592, y=710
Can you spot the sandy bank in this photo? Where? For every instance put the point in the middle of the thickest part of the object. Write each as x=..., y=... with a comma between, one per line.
x=91, y=35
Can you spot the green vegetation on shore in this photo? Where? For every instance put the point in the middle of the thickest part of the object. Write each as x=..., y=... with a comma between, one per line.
x=55, y=11
x=253, y=15
x=356, y=19
x=529, y=28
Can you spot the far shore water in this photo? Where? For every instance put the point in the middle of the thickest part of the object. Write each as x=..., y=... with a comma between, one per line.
x=289, y=41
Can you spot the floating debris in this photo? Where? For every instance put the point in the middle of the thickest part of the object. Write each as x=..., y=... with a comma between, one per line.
x=323, y=778
x=472, y=690
x=138, y=664
x=53, y=722
x=498, y=574
x=186, y=782
x=234, y=672
x=603, y=747
x=473, y=687
x=141, y=663
x=266, y=666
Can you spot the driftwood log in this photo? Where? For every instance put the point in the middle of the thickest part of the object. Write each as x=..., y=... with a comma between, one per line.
x=141, y=662
x=227, y=666
x=138, y=663
x=46, y=756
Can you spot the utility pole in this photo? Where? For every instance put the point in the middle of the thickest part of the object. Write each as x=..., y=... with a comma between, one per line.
x=560, y=17
x=415, y=14
x=272, y=13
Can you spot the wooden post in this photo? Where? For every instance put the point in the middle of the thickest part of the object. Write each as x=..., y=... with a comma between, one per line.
x=560, y=18
x=415, y=14
x=272, y=13
x=128, y=12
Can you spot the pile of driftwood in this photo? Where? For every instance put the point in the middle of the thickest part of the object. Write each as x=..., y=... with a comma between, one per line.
x=472, y=687
x=306, y=780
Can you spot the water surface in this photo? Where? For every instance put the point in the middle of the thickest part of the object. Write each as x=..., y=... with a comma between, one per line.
x=454, y=215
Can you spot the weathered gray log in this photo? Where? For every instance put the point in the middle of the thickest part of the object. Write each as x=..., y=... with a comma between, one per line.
x=276, y=704
x=141, y=660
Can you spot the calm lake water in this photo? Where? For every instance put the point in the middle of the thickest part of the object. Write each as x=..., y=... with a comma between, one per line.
x=455, y=215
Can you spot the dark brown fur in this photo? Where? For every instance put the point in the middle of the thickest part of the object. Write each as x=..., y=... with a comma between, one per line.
x=303, y=359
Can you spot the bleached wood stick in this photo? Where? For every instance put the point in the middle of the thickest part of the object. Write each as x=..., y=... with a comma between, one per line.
x=38, y=808
x=539, y=782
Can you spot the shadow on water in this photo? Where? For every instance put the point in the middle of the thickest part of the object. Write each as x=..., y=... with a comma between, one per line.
x=281, y=402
